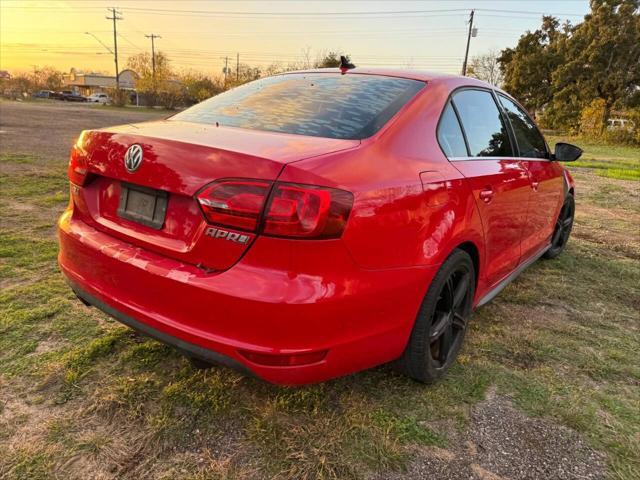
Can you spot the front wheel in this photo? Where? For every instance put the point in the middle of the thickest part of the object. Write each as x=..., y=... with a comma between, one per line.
x=562, y=230
x=441, y=324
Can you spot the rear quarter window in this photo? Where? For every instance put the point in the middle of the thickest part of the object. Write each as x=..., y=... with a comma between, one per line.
x=483, y=125
x=450, y=135
x=319, y=105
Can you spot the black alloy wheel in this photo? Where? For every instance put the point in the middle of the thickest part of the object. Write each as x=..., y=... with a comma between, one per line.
x=563, y=227
x=449, y=321
x=441, y=324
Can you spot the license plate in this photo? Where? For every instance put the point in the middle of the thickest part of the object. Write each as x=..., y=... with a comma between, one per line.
x=143, y=205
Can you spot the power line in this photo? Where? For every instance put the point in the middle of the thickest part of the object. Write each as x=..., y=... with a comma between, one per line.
x=335, y=14
x=130, y=42
x=237, y=13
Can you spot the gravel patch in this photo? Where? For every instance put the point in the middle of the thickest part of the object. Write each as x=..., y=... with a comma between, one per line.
x=500, y=443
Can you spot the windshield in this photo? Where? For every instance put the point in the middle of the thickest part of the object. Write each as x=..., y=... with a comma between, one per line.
x=315, y=104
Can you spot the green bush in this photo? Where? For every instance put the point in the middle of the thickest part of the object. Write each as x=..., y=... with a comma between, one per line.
x=119, y=97
x=593, y=124
x=592, y=118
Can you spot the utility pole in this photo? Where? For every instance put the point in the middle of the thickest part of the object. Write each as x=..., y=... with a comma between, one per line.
x=466, y=54
x=115, y=15
x=237, y=67
x=226, y=69
x=153, y=53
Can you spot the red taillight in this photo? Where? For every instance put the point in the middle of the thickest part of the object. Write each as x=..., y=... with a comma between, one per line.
x=234, y=203
x=284, y=360
x=307, y=211
x=292, y=210
x=77, y=170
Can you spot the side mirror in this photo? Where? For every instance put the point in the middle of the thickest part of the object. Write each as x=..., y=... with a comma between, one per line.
x=565, y=152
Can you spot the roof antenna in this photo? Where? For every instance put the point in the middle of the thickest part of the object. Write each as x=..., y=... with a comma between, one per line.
x=345, y=64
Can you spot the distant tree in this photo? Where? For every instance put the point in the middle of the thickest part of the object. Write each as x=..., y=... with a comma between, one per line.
x=329, y=60
x=46, y=78
x=18, y=85
x=163, y=88
x=142, y=64
x=562, y=70
x=486, y=68
x=244, y=73
x=247, y=73
x=171, y=95
x=275, y=68
x=528, y=68
x=602, y=61
x=199, y=87
x=305, y=61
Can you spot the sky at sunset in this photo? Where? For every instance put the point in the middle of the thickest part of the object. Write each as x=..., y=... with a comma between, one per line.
x=199, y=34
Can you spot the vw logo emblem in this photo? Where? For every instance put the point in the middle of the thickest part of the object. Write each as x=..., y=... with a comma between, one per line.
x=133, y=158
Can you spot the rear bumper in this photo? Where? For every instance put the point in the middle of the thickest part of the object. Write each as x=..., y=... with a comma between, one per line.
x=282, y=298
x=186, y=347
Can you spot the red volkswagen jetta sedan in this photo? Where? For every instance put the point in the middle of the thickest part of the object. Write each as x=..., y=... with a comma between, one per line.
x=312, y=224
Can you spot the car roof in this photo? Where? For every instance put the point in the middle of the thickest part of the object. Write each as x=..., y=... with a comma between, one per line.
x=420, y=75
x=386, y=72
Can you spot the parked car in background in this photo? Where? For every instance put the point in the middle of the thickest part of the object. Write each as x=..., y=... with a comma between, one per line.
x=70, y=96
x=13, y=93
x=99, y=98
x=312, y=224
x=44, y=94
x=621, y=124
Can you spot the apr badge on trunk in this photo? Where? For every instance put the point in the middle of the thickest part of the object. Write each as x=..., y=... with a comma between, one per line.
x=133, y=158
x=227, y=235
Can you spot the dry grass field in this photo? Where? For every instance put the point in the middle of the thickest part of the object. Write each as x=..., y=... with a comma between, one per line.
x=547, y=385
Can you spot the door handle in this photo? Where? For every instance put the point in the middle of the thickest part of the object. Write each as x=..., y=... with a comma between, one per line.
x=486, y=194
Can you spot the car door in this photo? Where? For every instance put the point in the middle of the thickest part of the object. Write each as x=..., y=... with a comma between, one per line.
x=546, y=179
x=499, y=182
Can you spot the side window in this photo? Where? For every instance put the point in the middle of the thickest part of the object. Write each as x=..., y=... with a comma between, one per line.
x=450, y=135
x=483, y=125
x=530, y=141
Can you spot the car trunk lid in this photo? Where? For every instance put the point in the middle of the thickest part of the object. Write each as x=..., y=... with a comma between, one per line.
x=154, y=207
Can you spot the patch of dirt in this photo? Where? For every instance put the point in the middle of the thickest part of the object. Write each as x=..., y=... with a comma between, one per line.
x=51, y=128
x=48, y=345
x=525, y=321
x=500, y=443
x=23, y=424
x=24, y=213
x=107, y=451
x=17, y=281
x=591, y=186
x=617, y=229
x=608, y=216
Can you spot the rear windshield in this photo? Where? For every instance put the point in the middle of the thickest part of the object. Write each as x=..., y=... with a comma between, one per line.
x=317, y=105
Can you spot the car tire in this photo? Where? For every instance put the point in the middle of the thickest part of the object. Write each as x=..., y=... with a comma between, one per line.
x=441, y=324
x=562, y=230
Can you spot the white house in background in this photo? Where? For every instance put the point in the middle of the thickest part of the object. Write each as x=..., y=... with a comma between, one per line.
x=88, y=83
